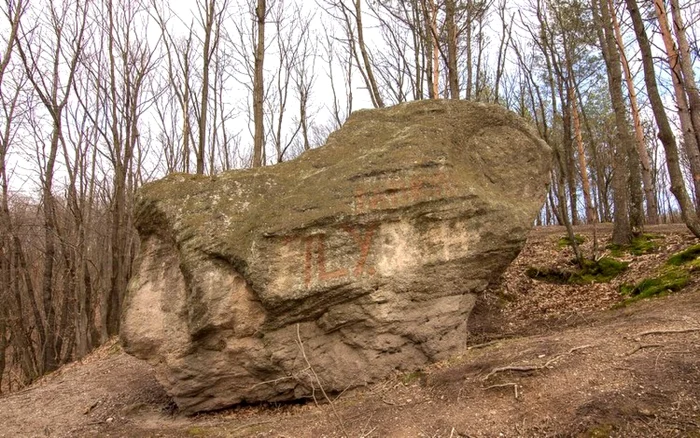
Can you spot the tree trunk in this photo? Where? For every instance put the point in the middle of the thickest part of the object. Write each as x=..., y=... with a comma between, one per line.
x=688, y=79
x=665, y=131
x=259, y=86
x=585, y=184
x=3, y=342
x=622, y=230
x=453, y=73
x=649, y=194
x=204, y=104
x=373, y=88
x=674, y=63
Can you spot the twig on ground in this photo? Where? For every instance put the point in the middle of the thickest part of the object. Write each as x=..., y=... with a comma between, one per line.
x=526, y=368
x=91, y=407
x=663, y=332
x=505, y=385
x=390, y=403
x=642, y=346
x=365, y=435
x=323, y=391
x=483, y=345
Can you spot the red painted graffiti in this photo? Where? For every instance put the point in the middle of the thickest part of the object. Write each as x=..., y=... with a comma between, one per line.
x=316, y=255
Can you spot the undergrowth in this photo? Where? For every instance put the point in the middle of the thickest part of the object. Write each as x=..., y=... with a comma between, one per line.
x=601, y=271
x=640, y=245
x=685, y=256
x=672, y=277
x=566, y=241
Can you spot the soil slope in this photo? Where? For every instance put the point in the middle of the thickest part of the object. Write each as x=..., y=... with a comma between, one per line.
x=545, y=360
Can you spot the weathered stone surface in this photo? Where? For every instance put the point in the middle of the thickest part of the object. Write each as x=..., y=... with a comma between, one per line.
x=355, y=260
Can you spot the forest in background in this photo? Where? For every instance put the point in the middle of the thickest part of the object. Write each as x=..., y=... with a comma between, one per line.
x=101, y=96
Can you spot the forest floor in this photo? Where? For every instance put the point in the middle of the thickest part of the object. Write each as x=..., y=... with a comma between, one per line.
x=544, y=360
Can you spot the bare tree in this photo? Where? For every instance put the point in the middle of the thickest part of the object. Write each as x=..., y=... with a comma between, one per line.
x=261, y=12
x=350, y=17
x=55, y=44
x=665, y=131
x=211, y=16
x=652, y=209
x=179, y=54
x=690, y=86
x=622, y=231
x=673, y=58
x=9, y=247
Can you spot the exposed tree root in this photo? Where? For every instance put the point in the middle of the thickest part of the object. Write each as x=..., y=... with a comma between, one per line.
x=526, y=368
x=505, y=385
x=663, y=332
x=642, y=346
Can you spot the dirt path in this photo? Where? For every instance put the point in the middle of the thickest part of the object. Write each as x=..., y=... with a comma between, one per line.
x=598, y=375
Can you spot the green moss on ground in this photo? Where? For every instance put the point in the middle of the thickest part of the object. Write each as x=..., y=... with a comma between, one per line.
x=672, y=277
x=600, y=271
x=413, y=377
x=601, y=431
x=670, y=280
x=685, y=256
x=643, y=244
x=565, y=241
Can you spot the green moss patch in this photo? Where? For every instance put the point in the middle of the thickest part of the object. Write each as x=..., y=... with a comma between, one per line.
x=685, y=256
x=670, y=280
x=600, y=271
x=413, y=377
x=566, y=241
x=672, y=277
x=643, y=244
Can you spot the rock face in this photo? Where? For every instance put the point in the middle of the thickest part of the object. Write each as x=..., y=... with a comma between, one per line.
x=335, y=269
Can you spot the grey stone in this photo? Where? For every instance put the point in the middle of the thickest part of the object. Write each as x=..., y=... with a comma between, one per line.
x=352, y=262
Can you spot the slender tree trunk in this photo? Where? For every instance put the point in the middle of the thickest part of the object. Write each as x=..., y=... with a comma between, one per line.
x=689, y=84
x=435, y=51
x=206, y=61
x=665, y=131
x=453, y=73
x=649, y=194
x=674, y=63
x=3, y=341
x=622, y=230
x=585, y=185
x=468, y=43
x=259, y=86
x=369, y=69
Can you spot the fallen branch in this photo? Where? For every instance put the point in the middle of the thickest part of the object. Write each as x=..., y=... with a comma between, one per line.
x=483, y=345
x=91, y=407
x=663, y=332
x=526, y=368
x=323, y=391
x=642, y=346
x=365, y=435
x=505, y=385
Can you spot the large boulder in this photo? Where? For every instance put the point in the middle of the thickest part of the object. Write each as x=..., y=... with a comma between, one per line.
x=336, y=269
